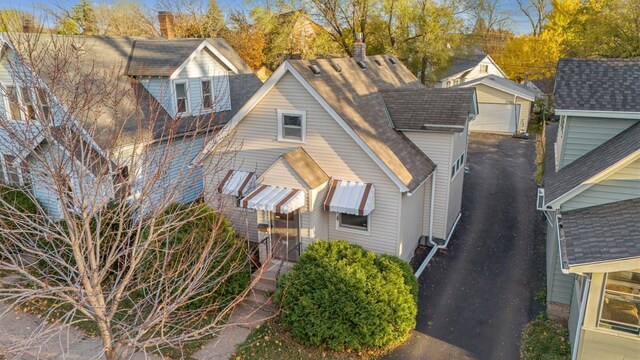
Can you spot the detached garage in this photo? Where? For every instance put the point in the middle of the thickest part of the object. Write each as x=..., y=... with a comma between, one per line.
x=503, y=105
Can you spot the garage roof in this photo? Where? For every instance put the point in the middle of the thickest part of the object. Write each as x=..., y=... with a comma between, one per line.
x=505, y=85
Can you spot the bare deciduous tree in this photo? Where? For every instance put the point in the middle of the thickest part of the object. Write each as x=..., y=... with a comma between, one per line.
x=120, y=256
x=536, y=12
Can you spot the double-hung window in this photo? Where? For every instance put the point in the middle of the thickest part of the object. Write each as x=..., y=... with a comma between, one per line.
x=43, y=100
x=182, y=97
x=207, y=97
x=28, y=103
x=13, y=103
x=292, y=125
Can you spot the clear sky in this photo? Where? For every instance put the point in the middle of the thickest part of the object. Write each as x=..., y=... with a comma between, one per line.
x=519, y=23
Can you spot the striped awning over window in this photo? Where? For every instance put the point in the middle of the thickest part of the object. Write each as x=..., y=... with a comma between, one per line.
x=274, y=198
x=237, y=183
x=350, y=197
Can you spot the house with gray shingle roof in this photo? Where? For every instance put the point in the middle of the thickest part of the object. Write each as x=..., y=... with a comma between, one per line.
x=385, y=153
x=467, y=67
x=172, y=94
x=591, y=198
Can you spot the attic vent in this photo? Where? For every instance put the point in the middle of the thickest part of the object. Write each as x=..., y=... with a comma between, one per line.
x=77, y=47
x=393, y=60
x=315, y=69
x=336, y=67
x=378, y=62
x=362, y=64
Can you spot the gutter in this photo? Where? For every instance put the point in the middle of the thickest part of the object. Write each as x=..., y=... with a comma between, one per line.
x=562, y=268
x=436, y=247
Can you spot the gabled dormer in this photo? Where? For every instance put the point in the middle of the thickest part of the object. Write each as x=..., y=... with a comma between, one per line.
x=189, y=77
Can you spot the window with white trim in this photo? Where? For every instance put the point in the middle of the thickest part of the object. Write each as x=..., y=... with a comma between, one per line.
x=182, y=97
x=13, y=108
x=457, y=166
x=353, y=222
x=621, y=302
x=207, y=95
x=43, y=101
x=27, y=100
x=12, y=171
x=292, y=125
x=484, y=68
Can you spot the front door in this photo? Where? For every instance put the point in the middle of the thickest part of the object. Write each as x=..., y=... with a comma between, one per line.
x=285, y=235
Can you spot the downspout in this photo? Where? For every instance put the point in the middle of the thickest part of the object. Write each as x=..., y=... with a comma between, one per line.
x=515, y=111
x=433, y=195
x=562, y=268
x=436, y=247
x=583, y=306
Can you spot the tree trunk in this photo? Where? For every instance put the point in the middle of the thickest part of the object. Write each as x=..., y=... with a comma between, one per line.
x=423, y=71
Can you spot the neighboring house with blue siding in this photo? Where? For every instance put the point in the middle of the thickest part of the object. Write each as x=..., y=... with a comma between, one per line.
x=591, y=198
x=173, y=93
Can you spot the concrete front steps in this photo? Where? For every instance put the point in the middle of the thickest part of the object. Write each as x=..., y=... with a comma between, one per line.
x=258, y=306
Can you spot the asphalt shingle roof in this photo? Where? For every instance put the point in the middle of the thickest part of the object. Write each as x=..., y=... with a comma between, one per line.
x=463, y=63
x=600, y=233
x=592, y=163
x=109, y=61
x=421, y=109
x=307, y=168
x=598, y=84
x=354, y=93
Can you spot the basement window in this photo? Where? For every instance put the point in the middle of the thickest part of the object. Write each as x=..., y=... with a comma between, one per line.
x=292, y=125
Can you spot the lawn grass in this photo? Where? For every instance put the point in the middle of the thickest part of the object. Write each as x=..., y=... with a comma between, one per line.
x=271, y=341
x=542, y=339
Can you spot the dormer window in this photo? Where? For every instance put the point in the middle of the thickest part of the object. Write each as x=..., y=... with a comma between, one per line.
x=14, y=105
x=292, y=125
x=182, y=97
x=207, y=98
x=484, y=68
x=44, y=103
x=28, y=103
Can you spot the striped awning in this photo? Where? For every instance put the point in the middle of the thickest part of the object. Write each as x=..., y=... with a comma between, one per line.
x=237, y=183
x=274, y=198
x=350, y=197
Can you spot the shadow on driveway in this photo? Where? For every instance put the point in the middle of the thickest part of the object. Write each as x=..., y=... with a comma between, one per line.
x=476, y=297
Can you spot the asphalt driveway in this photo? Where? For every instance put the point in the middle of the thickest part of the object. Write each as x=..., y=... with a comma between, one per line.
x=477, y=296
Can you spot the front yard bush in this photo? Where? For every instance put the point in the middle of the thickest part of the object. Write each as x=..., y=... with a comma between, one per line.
x=341, y=296
x=544, y=340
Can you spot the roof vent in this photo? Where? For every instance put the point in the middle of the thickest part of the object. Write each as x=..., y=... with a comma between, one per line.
x=393, y=60
x=362, y=65
x=378, y=62
x=336, y=67
x=315, y=69
x=77, y=47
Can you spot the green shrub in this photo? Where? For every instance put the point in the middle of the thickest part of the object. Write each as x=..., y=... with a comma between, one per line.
x=342, y=296
x=17, y=198
x=543, y=340
x=230, y=270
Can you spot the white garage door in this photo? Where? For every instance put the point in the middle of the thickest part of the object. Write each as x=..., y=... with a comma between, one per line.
x=500, y=118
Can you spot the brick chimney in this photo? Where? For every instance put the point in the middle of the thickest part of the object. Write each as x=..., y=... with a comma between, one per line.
x=359, y=48
x=27, y=25
x=165, y=18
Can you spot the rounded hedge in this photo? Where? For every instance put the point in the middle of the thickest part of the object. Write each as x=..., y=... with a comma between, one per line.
x=341, y=296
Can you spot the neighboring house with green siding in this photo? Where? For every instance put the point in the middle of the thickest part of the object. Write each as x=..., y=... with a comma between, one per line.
x=591, y=198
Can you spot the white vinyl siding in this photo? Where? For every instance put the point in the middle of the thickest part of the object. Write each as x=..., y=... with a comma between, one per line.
x=437, y=145
x=489, y=99
x=329, y=145
x=582, y=135
x=623, y=185
x=455, y=188
x=412, y=221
